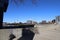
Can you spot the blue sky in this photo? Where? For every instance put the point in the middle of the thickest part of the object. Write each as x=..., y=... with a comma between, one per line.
x=43, y=10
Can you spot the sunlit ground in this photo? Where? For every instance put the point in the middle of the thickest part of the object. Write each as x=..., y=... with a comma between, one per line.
x=46, y=32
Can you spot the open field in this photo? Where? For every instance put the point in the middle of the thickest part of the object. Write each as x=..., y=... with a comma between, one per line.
x=46, y=32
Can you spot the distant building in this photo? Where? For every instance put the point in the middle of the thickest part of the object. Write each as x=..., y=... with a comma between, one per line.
x=43, y=22
x=58, y=19
x=31, y=22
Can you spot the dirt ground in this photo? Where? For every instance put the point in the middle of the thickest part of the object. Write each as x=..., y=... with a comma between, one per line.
x=46, y=32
